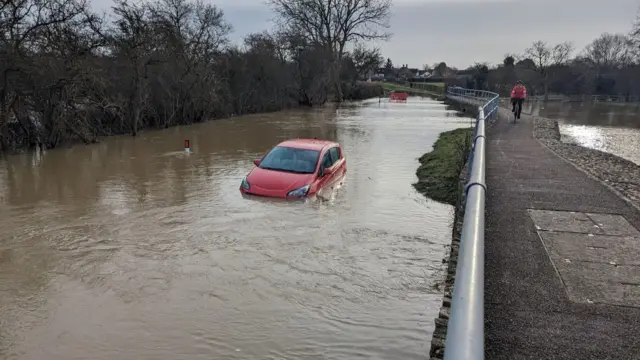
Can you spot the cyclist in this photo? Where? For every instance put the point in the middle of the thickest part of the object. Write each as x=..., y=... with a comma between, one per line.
x=518, y=94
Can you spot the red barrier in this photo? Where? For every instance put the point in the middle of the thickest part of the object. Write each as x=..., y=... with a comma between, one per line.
x=399, y=96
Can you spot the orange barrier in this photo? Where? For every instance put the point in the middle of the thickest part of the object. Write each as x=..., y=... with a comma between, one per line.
x=400, y=96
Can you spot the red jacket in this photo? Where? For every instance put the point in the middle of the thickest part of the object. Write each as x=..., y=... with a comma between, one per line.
x=519, y=92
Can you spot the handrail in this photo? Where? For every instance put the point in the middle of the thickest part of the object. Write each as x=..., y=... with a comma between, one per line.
x=465, y=331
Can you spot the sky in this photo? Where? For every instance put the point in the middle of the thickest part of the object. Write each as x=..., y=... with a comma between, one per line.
x=462, y=32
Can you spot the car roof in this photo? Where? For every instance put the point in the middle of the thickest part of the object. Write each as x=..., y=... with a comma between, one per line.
x=308, y=144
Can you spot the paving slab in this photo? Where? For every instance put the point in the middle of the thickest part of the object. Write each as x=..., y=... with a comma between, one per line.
x=594, y=268
x=622, y=250
x=612, y=224
x=569, y=221
x=596, y=282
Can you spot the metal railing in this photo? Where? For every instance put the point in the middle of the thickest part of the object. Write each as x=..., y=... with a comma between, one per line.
x=465, y=330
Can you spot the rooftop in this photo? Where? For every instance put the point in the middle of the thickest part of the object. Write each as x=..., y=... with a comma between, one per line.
x=309, y=144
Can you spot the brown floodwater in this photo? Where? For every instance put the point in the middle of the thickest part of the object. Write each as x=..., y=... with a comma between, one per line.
x=133, y=249
x=608, y=127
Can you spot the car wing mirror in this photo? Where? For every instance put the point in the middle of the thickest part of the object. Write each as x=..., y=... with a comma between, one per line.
x=257, y=162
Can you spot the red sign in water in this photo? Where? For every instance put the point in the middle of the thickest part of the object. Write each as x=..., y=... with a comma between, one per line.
x=400, y=96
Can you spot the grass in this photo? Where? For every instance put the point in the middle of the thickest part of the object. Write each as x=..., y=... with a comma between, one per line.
x=440, y=85
x=439, y=171
x=397, y=87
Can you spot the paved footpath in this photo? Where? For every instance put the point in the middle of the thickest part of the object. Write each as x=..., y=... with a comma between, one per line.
x=562, y=276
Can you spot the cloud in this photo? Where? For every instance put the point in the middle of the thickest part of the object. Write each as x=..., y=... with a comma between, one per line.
x=462, y=32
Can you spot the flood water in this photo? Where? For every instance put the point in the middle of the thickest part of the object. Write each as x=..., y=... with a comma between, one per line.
x=133, y=249
x=608, y=127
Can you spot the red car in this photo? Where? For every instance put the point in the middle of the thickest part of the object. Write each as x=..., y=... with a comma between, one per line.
x=295, y=169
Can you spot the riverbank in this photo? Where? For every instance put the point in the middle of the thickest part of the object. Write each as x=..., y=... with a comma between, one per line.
x=440, y=168
x=351, y=92
x=438, y=339
x=620, y=175
x=362, y=91
x=441, y=177
x=388, y=87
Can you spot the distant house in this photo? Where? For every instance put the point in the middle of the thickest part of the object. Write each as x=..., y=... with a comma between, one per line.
x=423, y=74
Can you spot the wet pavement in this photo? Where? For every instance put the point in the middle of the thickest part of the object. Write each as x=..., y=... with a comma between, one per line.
x=132, y=248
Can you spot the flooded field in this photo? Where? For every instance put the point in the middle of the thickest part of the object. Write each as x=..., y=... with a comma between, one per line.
x=609, y=127
x=133, y=249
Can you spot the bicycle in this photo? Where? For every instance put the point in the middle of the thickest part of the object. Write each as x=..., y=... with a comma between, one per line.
x=517, y=111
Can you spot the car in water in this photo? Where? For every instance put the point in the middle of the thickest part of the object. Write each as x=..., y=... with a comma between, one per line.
x=297, y=168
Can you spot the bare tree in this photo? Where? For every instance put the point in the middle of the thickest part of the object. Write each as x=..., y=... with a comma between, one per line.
x=609, y=51
x=561, y=53
x=634, y=37
x=440, y=69
x=546, y=57
x=133, y=38
x=308, y=60
x=366, y=61
x=333, y=24
x=56, y=31
x=191, y=35
x=480, y=75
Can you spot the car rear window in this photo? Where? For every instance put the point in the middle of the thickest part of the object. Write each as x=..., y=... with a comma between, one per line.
x=288, y=159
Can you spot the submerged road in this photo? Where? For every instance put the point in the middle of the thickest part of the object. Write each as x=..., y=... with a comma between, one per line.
x=132, y=249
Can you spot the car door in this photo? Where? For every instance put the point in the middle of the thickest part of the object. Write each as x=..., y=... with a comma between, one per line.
x=339, y=163
x=326, y=163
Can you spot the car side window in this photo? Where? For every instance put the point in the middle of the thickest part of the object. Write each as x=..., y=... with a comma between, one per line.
x=326, y=160
x=335, y=154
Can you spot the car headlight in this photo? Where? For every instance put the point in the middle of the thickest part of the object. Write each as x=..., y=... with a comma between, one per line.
x=299, y=192
x=245, y=183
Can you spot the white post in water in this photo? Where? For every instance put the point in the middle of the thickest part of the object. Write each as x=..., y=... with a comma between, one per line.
x=186, y=146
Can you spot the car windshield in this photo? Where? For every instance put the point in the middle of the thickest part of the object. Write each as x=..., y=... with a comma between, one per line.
x=281, y=158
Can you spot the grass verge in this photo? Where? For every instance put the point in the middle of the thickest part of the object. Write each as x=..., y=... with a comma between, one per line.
x=439, y=171
x=436, y=84
x=397, y=87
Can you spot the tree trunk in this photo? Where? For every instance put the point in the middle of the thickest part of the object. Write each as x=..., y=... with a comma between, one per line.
x=137, y=100
x=136, y=118
x=336, y=81
x=546, y=90
x=3, y=99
